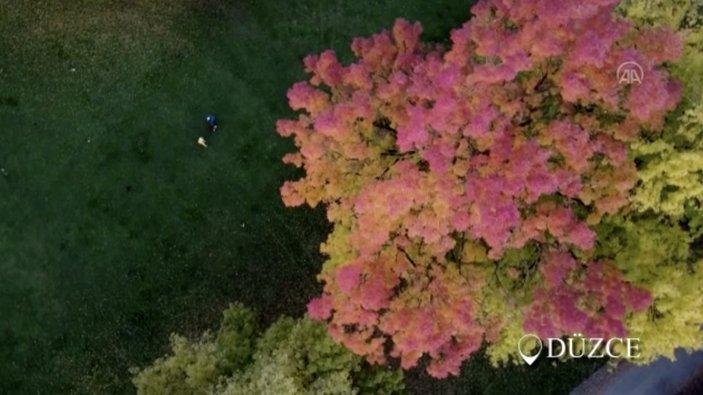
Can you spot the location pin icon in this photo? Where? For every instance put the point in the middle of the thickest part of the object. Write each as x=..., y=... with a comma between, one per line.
x=527, y=358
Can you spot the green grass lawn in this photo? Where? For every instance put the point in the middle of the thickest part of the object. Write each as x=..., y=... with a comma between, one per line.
x=116, y=228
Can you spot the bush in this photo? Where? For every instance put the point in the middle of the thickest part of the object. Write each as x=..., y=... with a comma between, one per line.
x=292, y=357
x=466, y=184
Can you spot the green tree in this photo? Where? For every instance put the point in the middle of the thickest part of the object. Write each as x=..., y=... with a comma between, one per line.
x=291, y=357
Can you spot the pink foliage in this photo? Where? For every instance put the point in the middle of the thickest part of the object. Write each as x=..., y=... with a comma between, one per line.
x=320, y=308
x=415, y=148
x=593, y=300
x=348, y=277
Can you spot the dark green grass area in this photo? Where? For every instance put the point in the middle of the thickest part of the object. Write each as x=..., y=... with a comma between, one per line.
x=116, y=229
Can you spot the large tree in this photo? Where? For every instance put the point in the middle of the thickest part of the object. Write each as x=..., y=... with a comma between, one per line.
x=467, y=184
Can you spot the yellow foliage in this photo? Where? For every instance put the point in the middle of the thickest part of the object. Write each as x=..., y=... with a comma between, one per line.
x=473, y=251
x=678, y=319
x=672, y=171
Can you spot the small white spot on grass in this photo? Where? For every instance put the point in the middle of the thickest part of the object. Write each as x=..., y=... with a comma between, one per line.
x=202, y=142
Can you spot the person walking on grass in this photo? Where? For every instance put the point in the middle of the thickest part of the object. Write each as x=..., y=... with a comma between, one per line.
x=211, y=122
